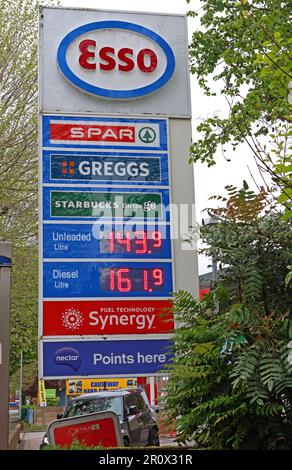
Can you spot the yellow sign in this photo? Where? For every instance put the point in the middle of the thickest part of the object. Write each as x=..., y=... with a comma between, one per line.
x=80, y=386
x=42, y=393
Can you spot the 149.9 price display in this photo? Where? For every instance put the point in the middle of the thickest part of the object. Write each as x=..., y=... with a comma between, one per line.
x=139, y=242
x=107, y=241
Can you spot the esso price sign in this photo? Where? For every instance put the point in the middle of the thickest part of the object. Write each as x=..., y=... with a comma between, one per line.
x=116, y=59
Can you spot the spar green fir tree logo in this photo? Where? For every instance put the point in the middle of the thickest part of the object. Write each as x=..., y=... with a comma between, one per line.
x=147, y=135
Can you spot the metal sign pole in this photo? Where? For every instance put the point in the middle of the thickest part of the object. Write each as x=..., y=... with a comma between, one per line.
x=5, y=275
x=20, y=386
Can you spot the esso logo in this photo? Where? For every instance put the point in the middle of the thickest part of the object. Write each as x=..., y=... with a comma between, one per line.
x=108, y=59
x=116, y=59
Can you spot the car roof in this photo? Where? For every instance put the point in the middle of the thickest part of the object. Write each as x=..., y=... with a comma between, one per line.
x=110, y=393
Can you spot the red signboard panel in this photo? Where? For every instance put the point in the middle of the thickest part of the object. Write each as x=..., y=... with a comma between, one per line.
x=100, y=429
x=91, y=133
x=106, y=317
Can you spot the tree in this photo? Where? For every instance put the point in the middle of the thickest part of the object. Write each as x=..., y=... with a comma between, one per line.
x=18, y=165
x=245, y=47
x=24, y=306
x=18, y=121
x=231, y=381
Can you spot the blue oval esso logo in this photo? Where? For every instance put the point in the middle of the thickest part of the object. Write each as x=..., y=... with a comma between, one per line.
x=116, y=59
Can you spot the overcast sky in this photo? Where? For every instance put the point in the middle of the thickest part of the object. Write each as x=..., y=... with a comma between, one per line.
x=208, y=181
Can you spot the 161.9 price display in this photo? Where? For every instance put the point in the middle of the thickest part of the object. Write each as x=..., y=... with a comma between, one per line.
x=132, y=279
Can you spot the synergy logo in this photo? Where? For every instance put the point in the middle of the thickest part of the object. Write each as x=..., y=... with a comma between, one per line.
x=68, y=357
x=72, y=319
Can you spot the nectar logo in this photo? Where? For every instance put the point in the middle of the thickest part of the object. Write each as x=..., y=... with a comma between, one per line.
x=68, y=168
x=68, y=356
x=72, y=319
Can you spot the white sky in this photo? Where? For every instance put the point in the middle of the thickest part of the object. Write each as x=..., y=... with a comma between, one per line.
x=208, y=181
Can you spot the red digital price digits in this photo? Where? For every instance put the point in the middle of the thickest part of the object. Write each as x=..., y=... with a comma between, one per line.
x=135, y=279
x=136, y=243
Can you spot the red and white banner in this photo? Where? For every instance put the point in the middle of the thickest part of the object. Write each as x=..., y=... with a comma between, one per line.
x=97, y=429
x=83, y=132
x=106, y=317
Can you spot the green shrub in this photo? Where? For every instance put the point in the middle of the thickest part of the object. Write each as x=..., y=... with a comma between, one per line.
x=230, y=383
x=76, y=445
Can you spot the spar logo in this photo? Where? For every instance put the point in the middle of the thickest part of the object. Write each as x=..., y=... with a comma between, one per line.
x=105, y=132
x=116, y=59
x=147, y=135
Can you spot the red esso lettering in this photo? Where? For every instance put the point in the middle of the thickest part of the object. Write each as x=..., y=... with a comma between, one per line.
x=146, y=58
x=86, y=54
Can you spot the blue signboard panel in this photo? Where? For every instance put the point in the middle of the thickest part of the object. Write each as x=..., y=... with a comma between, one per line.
x=104, y=167
x=102, y=358
x=104, y=132
x=110, y=204
x=106, y=279
x=136, y=241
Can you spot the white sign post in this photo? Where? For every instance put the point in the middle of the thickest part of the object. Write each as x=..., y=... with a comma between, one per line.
x=5, y=279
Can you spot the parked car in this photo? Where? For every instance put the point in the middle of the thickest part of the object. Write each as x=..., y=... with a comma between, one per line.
x=138, y=424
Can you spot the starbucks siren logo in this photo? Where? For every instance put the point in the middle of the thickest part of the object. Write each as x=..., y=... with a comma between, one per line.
x=72, y=319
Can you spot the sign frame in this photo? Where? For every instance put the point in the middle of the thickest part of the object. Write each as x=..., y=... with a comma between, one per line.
x=56, y=22
x=163, y=195
x=180, y=189
x=126, y=338
x=50, y=253
x=160, y=159
x=161, y=122
x=96, y=267
x=115, y=94
x=65, y=309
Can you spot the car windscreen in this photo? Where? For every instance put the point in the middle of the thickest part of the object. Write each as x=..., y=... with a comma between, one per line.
x=94, y=405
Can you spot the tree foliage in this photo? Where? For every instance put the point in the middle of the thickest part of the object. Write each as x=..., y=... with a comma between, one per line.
x=231, y=381
x=24, y=306
x=244, y=46
x=18, y=120
x=18, y=165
